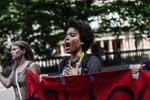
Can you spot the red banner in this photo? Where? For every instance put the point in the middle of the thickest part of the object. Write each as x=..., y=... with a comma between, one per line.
x=113, y=85
x=33, y=89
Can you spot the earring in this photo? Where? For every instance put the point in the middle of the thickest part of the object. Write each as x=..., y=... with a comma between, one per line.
x=82, y=43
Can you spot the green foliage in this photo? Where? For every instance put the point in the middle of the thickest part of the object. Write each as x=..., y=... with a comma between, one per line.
x=42, y=23
x=134, y=13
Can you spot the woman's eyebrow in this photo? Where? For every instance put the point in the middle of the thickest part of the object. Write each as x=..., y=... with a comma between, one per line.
x=71, y=33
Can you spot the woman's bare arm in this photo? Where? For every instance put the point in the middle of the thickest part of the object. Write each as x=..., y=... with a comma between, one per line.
x=35, y=68
x=6, y=81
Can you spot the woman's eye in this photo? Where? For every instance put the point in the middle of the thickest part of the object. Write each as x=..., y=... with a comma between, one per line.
x=72, y=34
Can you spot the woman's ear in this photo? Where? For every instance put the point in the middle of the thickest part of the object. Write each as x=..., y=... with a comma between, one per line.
x=23, y=51
x=82, y=43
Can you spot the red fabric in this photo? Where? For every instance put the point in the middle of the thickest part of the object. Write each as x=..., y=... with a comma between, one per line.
x=33, y=89
x=113, y=85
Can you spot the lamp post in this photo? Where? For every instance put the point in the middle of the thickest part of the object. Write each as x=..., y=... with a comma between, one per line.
x=148, y=33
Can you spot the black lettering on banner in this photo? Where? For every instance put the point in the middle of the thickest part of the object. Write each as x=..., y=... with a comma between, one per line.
x=91, y=95
x=66, y=95
x=32, y=97
x=55, y=93
x=141, y=93
x=47, y=92
x=125, y=89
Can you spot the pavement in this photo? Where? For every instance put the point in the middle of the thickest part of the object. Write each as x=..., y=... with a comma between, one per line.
x=6, y=94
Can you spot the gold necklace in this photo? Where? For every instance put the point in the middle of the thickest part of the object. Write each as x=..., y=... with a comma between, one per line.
x=81, y=57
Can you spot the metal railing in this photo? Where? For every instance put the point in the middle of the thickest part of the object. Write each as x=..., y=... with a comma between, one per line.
x=109, y=59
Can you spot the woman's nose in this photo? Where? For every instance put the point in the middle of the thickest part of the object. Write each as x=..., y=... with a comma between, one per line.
x=11, y=52
x=67, y=37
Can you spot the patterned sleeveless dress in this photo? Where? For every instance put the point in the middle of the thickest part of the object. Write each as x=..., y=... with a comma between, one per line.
x=21, y=82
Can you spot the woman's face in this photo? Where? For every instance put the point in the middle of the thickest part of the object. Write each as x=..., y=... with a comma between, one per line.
x=72, y=42
x=16, y=52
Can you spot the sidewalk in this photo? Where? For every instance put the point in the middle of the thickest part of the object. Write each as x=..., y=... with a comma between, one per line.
x=6, y=94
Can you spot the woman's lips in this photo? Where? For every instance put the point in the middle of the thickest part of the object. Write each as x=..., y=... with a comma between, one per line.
x=67, y=45
x=12, y=55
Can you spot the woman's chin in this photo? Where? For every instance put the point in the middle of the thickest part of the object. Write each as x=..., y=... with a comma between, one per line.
x=67, y=51
x=12, y=58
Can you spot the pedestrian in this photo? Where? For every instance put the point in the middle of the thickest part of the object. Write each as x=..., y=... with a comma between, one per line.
x=22, y=56
x=79, y=37
x=145, y=65
x=135, y=67
x=96, y=50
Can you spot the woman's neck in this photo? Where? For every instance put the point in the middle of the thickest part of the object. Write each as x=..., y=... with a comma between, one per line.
x=21, y=61
x=76, y=55
x=21, y=64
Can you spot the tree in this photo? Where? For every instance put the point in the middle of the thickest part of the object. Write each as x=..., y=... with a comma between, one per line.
x=43, y=22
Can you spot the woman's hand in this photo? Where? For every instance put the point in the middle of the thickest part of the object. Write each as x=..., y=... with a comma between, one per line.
x=72, y=71
x=135, y=67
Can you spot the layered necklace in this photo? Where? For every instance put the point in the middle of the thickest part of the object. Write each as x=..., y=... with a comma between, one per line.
x=81, y=57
